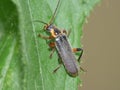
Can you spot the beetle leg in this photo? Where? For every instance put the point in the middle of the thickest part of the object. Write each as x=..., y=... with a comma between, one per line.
x=45, y=37
x=53, y=50
x=80, y=54
x=52, y=46
x=54, y=71
x=83, y=69
x=67, y=33
x=60, y=63
x=76, y=50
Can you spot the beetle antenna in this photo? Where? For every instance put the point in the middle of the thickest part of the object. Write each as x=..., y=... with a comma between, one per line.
x=53, y=17
x=40, y=21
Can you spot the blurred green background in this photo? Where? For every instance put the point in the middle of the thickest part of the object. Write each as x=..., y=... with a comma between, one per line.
x=102, y=47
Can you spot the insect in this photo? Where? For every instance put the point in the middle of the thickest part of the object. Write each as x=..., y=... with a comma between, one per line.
x=61, y=44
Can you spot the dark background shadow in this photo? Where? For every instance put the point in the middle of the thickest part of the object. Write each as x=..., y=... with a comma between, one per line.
x=8, y=17
x=12, y=72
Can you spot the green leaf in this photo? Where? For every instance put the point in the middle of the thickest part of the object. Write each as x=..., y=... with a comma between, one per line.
x=24, y=57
